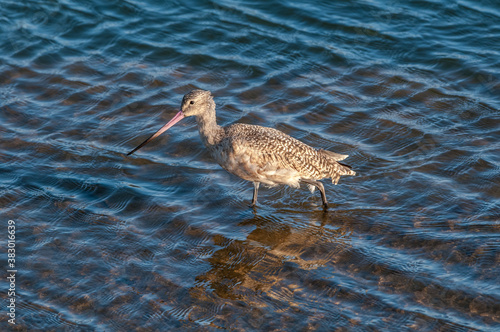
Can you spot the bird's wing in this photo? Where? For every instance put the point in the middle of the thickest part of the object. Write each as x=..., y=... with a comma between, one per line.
x=333, y=155
x=270, y=147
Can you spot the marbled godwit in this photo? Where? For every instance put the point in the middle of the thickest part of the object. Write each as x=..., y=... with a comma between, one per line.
x=258, y=154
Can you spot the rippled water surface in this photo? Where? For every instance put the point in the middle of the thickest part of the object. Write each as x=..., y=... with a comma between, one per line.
x=165, y=240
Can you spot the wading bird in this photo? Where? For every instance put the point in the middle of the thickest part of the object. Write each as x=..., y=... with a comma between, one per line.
x=258, y=154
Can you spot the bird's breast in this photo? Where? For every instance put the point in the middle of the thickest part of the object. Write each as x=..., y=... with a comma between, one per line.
x=250, y=165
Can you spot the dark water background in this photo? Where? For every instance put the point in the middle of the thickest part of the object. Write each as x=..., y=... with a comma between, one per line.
x=165, y=239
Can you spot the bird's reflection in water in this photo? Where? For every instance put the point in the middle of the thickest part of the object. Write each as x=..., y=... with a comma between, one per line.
x=275, y=253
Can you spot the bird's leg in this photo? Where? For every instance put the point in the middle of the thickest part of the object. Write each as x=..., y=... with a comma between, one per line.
x=255, y=192
x=319, y=185
x=323, y=195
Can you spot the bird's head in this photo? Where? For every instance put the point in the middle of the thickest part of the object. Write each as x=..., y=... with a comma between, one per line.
x=196, y=102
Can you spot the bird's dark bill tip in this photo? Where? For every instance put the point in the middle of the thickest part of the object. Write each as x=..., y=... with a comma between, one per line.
x=137, y=148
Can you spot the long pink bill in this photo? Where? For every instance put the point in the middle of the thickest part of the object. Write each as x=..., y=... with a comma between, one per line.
x=179, y=116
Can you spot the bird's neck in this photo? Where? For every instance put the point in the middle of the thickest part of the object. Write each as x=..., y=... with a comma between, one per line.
x=210, y=131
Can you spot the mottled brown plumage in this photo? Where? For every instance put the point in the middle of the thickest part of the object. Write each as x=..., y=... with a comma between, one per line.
x=258, y=154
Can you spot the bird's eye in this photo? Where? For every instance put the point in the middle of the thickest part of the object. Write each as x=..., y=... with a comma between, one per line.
x=191, y=102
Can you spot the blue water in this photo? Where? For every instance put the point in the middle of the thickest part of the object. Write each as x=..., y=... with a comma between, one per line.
x=164, y=239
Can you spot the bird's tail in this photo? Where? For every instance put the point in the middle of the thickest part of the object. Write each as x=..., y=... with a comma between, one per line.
x=337, y=169
x=346, y=169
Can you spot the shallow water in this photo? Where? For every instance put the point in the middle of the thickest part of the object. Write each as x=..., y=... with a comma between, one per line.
x=165, y=240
